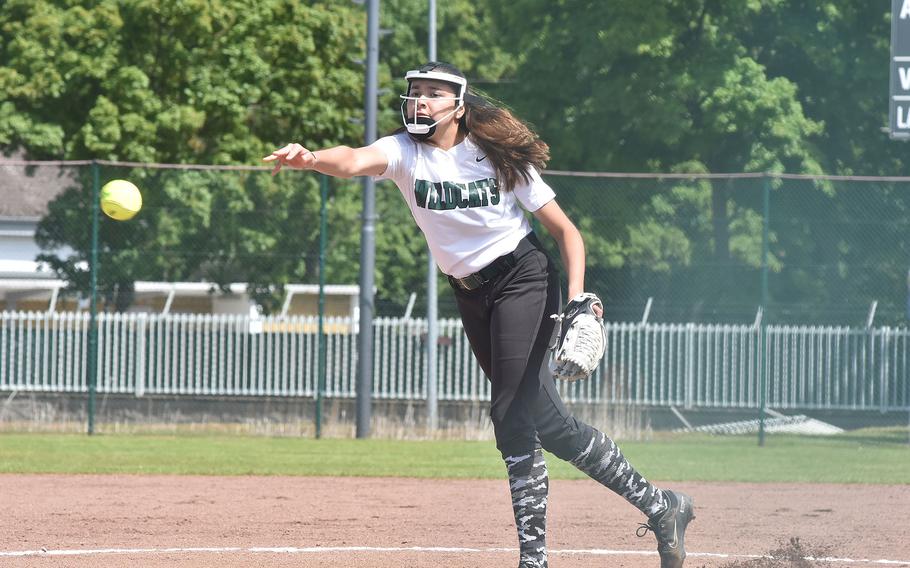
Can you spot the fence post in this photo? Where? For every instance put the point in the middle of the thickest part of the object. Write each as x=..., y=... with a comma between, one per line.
x=368, y=238
x=883, y=367
x=92, y=363
x=323, y=224
x=140, y=324
x=690, y=365
x=766, y=221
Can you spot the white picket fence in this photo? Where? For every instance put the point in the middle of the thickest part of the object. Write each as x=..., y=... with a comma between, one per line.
x=689, y=365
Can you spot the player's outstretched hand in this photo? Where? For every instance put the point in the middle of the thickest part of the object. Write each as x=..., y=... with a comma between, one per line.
x=293, y=156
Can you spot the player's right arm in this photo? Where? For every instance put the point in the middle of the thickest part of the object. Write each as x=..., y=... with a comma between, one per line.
x=339, y=161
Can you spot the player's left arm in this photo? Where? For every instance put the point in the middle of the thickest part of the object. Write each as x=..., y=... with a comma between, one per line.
x=571, y=245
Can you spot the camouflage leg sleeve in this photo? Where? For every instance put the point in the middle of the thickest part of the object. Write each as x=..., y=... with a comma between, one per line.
x=603, y=462
x=528, y=482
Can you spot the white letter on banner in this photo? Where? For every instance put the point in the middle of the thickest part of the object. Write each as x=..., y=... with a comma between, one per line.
x=905, y=77
x=903, y=121
x=905, y=10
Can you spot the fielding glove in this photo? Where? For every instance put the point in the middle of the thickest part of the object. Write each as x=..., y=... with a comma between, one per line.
x=579, y=339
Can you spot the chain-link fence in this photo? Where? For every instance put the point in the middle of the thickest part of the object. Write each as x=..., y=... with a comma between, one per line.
x=715, y=248
x=219, y=226
x=669, y=249
x=703, y=249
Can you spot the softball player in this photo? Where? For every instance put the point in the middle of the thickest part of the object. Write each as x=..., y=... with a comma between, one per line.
x=467, y=169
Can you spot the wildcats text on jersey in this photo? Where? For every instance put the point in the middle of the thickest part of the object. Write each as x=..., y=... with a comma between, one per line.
x=442, y=196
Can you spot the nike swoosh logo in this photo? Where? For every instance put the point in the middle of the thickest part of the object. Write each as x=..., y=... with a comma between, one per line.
x=480, y=159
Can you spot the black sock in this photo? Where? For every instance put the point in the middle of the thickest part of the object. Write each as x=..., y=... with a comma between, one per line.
x=528, y=482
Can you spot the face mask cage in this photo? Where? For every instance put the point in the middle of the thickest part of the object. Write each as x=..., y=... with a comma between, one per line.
x=422, y=125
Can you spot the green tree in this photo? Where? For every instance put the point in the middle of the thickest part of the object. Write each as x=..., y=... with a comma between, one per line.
x=200, y=82
x=836, y=52
x=183, y=81
x=631, y=86
x=176, y=81
x=663, y=87
x=847, y=248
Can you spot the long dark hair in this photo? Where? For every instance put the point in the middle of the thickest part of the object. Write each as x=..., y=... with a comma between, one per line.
x=510, y=144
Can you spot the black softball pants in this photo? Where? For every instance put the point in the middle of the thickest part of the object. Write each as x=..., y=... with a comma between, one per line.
x=508, y=324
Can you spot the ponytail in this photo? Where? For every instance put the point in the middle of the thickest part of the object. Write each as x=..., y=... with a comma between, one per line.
x=510, y=145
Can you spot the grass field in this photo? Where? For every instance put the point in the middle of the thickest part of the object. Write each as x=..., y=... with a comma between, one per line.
x=878, y=457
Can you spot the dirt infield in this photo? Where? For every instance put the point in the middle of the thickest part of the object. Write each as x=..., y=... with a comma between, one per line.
x=153, y=521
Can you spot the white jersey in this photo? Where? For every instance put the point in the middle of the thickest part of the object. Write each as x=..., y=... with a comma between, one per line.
x=458, y=203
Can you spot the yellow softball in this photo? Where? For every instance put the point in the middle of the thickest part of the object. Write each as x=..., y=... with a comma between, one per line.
x=120, y=199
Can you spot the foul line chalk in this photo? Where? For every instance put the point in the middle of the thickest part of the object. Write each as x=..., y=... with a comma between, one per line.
x=431, y=549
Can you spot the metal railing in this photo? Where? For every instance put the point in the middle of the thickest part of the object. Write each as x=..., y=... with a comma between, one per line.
x=689, y=365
